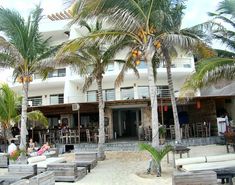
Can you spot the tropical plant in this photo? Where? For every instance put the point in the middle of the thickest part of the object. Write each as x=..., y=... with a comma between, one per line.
x=91, y=61
x=24, y=51
x=154, y=26
x=210, y=70
x=16, y=154
x=9, y=105
x=9, y=111
x=157, y=154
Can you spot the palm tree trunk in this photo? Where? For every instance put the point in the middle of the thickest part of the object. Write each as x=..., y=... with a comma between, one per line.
x=23, y=128
x=149, y=53
x=5, y=138
x=101, y=155
x=172, y=94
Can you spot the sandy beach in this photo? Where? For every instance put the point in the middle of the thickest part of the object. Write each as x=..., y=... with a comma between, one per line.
x=129, y=168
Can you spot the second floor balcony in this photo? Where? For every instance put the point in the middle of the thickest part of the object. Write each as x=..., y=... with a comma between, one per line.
x=125, y=93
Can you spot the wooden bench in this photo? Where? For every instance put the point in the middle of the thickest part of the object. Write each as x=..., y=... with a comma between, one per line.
x=45, y=178
x=4, y=161
x=86, y=158
x=17, y=172
x=67, y=172
x=194, y=178
x=23, y=168
x=21, y=182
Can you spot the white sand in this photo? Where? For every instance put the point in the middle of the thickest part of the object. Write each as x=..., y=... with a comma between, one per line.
x=128, y=168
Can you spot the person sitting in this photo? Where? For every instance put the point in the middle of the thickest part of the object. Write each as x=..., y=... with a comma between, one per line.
x=31, y=146
x=43, y=149
x=12, y=147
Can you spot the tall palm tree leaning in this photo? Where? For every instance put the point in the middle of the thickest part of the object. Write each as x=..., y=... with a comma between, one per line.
x=9, y=105
x=91, y=61
x=210, y=70
x=150, y=24
x=23, y=50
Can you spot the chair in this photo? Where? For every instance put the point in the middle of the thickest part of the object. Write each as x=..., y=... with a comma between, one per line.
x=147, y=134
x=185, y=131
x=63, y=137
x=90, y=137
x=200, y=129
x=73, y=136
x=172, y=131
x=106, y=134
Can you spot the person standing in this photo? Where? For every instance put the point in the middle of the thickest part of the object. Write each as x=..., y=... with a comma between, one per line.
x=12, y=147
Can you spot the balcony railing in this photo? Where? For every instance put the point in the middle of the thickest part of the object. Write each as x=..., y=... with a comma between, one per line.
x=161, y=93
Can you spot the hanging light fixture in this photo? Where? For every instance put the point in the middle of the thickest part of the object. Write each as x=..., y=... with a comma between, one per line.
x=165, y=108
x=198, y=104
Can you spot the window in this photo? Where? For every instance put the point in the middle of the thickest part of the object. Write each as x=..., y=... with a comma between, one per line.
x=143, y=92
x=56, y=99
x=35, y=101
x=109, y=94
x=110, y=67
x=187, y=65
x=127, y=93
x=91, y=96
x=57, y=73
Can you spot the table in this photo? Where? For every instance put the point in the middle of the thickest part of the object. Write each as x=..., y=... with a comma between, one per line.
x=227, y=174
x=178, y=150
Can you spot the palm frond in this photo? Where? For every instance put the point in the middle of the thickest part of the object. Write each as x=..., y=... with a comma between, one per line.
x=38, y=117
x=157, y=155
x=209, y=71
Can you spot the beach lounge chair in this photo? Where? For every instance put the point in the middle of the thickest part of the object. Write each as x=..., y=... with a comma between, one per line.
x=67, y=172
x=17, y=172
x=85, y=159
x=194, y=178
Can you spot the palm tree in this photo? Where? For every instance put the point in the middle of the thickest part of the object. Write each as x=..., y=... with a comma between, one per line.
x=9, y=111
x=157, y=154
x=91, y=61
x=23, y=50
x=210, y=70
x=151, y=24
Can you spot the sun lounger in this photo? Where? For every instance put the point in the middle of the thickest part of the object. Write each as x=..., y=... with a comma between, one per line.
x=17, y=172
x=206, y=163
x=86, y=158
x=43, y=161
x=3, y=160
x=67, y=172
x=45, y=178
x=194, y=178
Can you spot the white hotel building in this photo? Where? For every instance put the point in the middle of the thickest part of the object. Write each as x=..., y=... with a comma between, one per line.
x=61, y=99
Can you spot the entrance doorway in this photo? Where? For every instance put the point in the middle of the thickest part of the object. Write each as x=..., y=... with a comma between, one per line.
x=125, y=122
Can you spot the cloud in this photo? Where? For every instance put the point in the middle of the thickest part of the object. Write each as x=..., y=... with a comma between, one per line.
x=196, y=11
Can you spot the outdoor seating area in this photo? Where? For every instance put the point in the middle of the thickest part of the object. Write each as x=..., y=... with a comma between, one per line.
x=42, y=170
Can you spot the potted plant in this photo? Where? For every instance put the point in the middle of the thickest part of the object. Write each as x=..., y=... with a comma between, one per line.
x=15, y=157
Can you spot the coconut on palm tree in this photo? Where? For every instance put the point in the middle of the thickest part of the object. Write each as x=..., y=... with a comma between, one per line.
x=23, y=50
x=10, y=104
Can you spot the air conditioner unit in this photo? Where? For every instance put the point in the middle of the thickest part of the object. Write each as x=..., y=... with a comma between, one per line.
x=75, y=106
